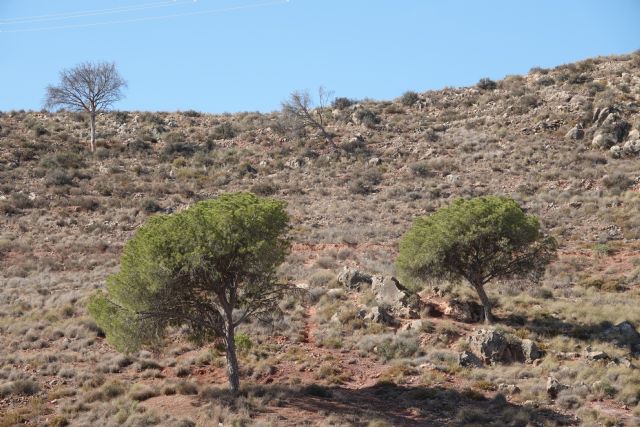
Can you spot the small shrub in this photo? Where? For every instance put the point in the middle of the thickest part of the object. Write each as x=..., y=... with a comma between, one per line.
x=409, y=98
x=59, y=177
x=141, y=392
x=264, y=188
x=151, y=206
x=317, y=391
x=486, y=83
x=420, y=169
x=223, y=131
x=342, y=103
x=186, y=388
x=243, y=343
x=368, y=118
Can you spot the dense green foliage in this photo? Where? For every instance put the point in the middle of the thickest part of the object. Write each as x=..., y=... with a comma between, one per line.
x=192, y=269
x=480, y=240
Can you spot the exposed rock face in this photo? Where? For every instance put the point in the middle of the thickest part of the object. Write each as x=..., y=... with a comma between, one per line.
x=497, y=347
x=554, y=387
x=467, y=359
x=464, y=311
x=351, y=278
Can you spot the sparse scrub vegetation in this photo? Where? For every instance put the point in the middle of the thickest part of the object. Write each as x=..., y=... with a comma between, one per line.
x=67, y=216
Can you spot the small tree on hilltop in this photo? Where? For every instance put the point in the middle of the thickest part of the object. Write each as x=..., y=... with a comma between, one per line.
x=300, y=109
x=479, y=240
x=88, y=87
x=206, y=269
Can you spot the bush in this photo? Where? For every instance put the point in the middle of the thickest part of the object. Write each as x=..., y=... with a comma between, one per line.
x=617, y=182
x=317, y=391
x=420, y=169
x=243, y=342
x=409, y=98
x=151, y=206
x=223, y=131
x=366, y=182
x=486, y=83
x=342, y=103
x=367, y=117
x=142, y=392
x=263, y=189
x=59, y=177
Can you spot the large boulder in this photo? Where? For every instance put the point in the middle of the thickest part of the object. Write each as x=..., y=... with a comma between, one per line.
x=351, y=278
x=575, y=133
x=388, y=291
x=554, y=387
x=463, y=311
x=491, y=346
x=530, y=350
x=603, y=140
x=494, y=346
x=624, y=334
x=632, y=146
x=380, y=315
x=466, y=359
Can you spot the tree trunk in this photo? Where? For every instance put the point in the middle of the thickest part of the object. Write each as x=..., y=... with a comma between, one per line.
x=486, y=304
x=93, y=132
x=232, y=359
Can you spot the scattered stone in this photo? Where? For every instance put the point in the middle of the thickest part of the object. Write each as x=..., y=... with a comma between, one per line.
x=451, y=178
x=351, y=278
x=467, y=359
x=295, y=163
x=596, y=355
x=510, y=389
x=413, y=325
x=554, y=387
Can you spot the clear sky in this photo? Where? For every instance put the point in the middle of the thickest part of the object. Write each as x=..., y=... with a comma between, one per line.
x=248, y=55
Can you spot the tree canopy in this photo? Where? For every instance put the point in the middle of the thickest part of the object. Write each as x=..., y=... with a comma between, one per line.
x=206, y=269
x=479, y=240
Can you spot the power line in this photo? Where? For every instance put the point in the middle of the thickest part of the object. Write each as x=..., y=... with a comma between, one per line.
x=95, y=12
x=149, y=18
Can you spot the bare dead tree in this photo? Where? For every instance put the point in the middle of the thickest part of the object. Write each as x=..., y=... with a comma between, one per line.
x=89, y=87
x=301, y=109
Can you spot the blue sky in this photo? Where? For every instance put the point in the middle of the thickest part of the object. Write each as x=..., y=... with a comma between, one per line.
x=222, y=56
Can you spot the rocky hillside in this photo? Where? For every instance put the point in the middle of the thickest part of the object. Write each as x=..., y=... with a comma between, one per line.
x=564, y=142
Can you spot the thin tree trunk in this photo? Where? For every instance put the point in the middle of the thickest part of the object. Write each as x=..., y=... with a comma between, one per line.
x=93, y=132
x=486, y=304
x=232, y=360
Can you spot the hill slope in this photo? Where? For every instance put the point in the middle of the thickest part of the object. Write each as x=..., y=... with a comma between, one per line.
x=564, y=142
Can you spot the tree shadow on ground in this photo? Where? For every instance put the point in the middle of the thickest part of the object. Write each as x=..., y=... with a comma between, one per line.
x=400, y=406
x=549, y=326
